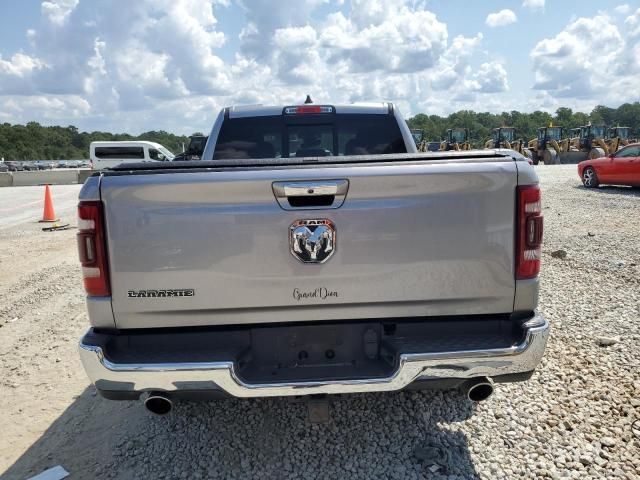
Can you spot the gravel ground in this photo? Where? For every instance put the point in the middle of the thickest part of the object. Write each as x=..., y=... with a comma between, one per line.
x=573, y=419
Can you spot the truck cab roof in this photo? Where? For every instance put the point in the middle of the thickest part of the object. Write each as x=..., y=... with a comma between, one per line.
x=241, y=111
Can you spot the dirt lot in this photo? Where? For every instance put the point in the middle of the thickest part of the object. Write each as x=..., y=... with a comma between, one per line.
x=573, y=419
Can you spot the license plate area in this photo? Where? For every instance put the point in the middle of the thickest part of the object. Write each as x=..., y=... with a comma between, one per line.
x=316, y=353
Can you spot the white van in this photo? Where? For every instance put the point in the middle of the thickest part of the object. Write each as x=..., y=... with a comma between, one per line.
x=110, y=154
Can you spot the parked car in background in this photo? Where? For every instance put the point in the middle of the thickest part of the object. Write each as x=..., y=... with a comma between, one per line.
x=14, y=166
x=112, y=154
x=43, y=165
x=619, y=168
x=3, y=167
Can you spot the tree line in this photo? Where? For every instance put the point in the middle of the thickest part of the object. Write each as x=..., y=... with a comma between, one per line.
x=37, y=142
x=480, y=124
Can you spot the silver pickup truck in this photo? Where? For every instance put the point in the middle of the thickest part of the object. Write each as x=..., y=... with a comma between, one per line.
x=312, y=250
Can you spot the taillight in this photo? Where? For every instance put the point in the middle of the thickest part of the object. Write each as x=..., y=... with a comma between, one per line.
x=529, y=238
x=92, y=249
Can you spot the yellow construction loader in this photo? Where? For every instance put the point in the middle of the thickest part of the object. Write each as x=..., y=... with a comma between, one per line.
x=593, y=141
x=418, y=137
x=457, y=139
x=588, y=141
x=574, y=139
x=618, y=137
x=505, y=137
x=547, y=146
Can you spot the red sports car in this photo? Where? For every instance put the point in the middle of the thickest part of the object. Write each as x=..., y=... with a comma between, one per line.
x=620, y=168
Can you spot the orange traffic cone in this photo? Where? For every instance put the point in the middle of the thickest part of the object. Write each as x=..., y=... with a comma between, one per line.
x=48, y=215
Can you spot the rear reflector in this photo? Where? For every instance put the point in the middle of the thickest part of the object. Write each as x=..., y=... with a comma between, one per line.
x=529, y=234
x=92, y=249
x=303, y=110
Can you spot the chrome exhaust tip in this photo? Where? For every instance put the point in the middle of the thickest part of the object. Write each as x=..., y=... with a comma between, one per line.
x=158, y=404
x=480, y=389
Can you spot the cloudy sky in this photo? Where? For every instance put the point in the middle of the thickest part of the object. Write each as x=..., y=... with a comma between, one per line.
x=125, y=65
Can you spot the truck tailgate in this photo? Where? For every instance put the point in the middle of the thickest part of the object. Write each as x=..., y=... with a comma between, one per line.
x=214, y=248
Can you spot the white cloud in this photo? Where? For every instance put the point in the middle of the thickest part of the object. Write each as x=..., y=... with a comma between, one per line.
x=501, y=18
x=162, y=64
x=365, y=13
x=289, y=38
x=632, y=23
x=629, y=62
x=157, y=49
x=16, y=74
x=491, y=78
x=49, y=107
x=19, y=65
x=407, y=41
x=297, y=57
x=454, y=64
x=264, y=17
x=388, y=50
x=533, y=4
x=608, y=66
x=58, y=11
x=622, y=9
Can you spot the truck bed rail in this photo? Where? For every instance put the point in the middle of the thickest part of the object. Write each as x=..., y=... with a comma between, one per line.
x=431, y=157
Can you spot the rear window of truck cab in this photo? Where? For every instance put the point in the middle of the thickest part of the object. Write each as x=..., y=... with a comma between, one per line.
x=308, y=136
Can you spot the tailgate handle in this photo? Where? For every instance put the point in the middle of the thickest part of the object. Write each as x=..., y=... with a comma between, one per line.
x=311, y=195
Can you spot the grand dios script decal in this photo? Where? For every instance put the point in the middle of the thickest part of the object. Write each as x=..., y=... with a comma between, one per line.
x=320, y=293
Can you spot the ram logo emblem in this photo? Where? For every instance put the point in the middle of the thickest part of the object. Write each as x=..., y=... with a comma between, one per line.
x=312, y=241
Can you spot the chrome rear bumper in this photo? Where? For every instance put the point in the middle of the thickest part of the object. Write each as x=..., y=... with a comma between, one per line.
x=520, y=358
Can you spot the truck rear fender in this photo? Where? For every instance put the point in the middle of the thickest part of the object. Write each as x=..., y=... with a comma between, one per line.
x=99, y=308
x=526, y=292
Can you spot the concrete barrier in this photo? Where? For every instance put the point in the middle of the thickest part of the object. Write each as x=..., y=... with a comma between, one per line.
x=6, y=179
x=83, y=175
x=52, y=177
